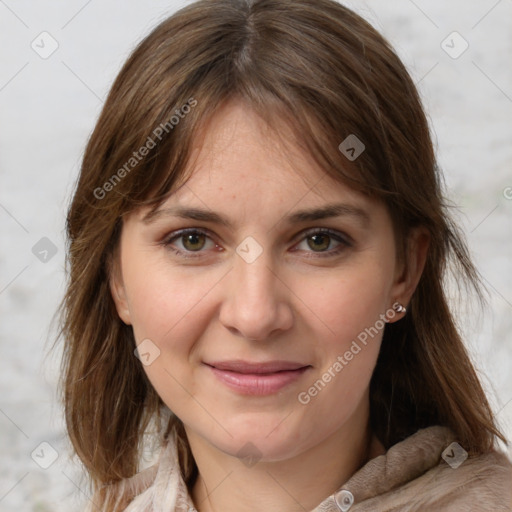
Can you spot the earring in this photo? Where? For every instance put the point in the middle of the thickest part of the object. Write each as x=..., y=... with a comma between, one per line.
x=399, y=308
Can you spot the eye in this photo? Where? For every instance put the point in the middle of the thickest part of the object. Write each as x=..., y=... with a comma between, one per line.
x=193, y=242
x=189, y=241
x=321, y=241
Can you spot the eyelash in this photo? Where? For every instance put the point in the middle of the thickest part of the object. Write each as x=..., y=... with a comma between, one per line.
x=343, y=240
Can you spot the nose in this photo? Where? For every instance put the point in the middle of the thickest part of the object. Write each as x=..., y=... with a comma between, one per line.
x=256, y=304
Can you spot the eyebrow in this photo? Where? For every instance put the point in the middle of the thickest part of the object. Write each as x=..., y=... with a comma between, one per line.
x=312, y=214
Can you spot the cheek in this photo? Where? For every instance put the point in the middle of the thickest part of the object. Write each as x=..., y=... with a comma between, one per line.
x=165, y=302
x=173, y=310
x=351, y=309
x=348, y=302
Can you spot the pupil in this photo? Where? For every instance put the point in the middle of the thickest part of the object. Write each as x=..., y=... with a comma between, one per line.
x=319, y=242
x=191, y=241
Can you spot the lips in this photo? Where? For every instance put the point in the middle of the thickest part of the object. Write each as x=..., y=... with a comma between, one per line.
x=257, y=378
x=245, y=367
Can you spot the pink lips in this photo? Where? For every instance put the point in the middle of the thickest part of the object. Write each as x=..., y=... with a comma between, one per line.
x=257, y=378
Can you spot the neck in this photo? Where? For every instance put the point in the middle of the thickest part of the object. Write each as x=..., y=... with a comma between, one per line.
x=292, y=485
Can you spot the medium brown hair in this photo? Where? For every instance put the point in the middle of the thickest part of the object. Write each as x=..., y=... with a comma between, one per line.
x=325, y=72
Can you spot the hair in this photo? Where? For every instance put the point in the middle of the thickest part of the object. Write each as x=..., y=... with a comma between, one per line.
x=323, y=71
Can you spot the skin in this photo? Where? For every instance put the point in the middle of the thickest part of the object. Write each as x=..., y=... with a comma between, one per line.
x=298, y=301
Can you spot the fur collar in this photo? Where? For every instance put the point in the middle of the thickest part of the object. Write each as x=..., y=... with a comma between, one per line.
x=411, y=477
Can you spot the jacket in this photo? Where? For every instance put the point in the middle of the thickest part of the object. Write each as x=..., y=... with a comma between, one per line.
x=426, y=472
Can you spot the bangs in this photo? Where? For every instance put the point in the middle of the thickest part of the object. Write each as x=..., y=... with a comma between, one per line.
x=172, y=161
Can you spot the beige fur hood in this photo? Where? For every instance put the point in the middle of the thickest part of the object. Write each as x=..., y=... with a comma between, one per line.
x=413, y=476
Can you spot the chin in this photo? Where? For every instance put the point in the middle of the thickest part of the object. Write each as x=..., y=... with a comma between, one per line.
x=268, y=438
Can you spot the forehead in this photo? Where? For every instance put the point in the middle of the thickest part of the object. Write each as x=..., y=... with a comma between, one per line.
x=239, y=154
x=243, y=173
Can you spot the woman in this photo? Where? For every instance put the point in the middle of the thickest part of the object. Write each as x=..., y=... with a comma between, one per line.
x=257, y=251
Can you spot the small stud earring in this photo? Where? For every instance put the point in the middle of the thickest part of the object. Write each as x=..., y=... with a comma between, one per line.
x=399, y=308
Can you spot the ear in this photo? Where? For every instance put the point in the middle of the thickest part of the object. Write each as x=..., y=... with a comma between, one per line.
x=410, y=271
x=117, y=290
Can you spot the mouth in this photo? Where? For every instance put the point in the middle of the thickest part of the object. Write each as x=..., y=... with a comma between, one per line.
x=257, y=378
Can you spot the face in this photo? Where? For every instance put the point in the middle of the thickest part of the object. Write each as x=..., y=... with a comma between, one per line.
x=259, y=291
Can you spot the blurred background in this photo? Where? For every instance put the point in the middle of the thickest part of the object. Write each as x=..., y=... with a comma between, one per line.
x=58, y=60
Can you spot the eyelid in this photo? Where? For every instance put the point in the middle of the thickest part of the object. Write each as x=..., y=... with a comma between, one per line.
x=185, y=231
x=328, y=231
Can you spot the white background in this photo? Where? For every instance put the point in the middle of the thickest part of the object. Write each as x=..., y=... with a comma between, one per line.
x=48, y=108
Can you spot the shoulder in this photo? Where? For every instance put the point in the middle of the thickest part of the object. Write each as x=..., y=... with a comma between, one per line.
x=479, y=483
x=414, y=476
x=483, y=482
